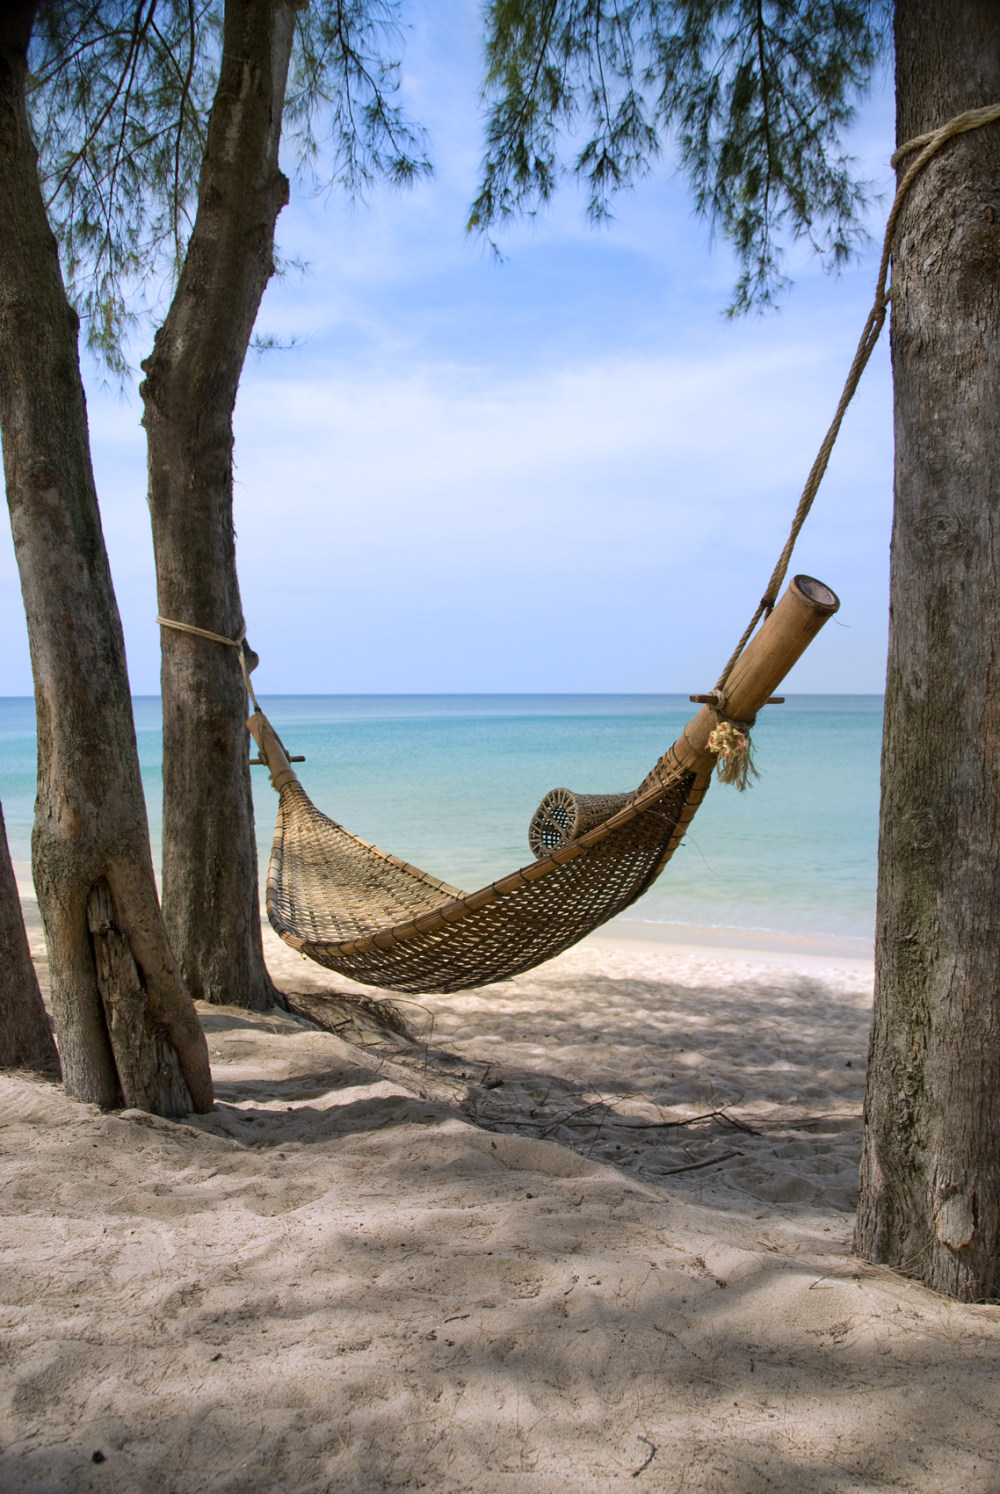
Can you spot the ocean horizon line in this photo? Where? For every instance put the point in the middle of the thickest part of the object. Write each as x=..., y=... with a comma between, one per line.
x=507, y=695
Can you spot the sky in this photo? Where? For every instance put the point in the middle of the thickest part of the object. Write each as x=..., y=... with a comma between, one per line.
x=563, y=472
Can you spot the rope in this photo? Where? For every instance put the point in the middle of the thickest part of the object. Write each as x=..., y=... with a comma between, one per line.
x=236, y=643
x=738, y=751
x=928, y=145
x=734, y=752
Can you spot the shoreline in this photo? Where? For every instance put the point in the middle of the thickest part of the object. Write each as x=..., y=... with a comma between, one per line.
x=742, y=946
x=733, y=945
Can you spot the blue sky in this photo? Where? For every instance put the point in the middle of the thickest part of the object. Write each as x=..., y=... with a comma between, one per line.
x=565, y=472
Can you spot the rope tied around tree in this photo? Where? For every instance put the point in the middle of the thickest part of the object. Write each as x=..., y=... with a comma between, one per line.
x=735, y=760
x=243, y=649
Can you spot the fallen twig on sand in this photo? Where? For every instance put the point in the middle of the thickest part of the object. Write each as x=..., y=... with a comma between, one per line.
x=694, y=1166
x=651, y=1455
x=341, y=1011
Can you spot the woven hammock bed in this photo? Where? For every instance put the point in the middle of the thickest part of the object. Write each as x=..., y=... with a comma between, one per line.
x=358, y=910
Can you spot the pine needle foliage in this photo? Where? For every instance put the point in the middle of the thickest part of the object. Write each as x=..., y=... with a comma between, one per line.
x=753, y=96
x=344, y=124
x=120, y=96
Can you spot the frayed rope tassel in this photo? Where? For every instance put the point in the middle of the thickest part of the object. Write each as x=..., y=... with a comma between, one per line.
x=735, y=754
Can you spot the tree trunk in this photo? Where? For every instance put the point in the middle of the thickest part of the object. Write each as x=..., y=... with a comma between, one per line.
x=90, y=826
x=210, y=891
x=25, y=1039
x=930, y=1176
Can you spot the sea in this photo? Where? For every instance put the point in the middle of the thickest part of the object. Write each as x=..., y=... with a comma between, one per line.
x=450, y=782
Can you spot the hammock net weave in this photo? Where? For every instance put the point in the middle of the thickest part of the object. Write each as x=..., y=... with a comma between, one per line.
x=354, y=909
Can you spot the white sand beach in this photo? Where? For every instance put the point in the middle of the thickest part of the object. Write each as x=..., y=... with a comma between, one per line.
x=589, y=1230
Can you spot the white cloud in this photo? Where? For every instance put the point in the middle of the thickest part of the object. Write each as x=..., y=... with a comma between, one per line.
x=603, y=501
x=563, y=473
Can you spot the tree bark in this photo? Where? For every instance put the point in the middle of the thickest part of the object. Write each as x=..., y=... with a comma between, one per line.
x=210, y=888
x=930, y=1176
x=25, y=1039
x=90, y=827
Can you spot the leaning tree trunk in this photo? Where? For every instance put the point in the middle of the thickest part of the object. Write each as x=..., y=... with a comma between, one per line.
x=930, y=1177
x=25, y=1039
x=127, y=1030
x=210, y=892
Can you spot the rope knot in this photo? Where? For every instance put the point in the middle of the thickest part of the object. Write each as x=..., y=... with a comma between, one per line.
x=246, y=655
x=730, y=740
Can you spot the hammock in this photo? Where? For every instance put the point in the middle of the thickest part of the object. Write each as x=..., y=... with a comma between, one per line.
x=364, y=913
x=358, y=910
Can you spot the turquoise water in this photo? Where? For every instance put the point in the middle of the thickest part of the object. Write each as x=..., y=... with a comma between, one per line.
x=449, y=783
